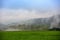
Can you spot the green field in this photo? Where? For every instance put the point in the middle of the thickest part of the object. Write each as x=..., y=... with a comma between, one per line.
x=30, y=35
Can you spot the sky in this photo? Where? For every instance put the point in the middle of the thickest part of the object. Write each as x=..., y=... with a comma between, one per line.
x=14, y=10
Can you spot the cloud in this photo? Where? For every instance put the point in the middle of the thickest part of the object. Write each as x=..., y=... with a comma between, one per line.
x=23, y=14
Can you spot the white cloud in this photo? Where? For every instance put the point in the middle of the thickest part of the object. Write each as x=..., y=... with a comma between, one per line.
x=19, y=14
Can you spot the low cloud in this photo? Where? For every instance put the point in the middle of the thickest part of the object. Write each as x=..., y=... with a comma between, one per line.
x=20, y=14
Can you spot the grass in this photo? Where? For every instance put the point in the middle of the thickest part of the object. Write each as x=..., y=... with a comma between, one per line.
x=30, y=35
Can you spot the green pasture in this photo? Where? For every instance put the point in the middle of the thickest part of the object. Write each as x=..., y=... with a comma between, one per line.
x=30, y=35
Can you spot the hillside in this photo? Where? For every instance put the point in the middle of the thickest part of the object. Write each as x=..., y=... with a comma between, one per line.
x=33, y=24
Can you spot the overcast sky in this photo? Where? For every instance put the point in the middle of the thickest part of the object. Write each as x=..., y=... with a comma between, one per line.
x=27, y=9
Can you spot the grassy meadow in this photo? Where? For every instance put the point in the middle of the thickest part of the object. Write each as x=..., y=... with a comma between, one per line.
x=30, y=35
